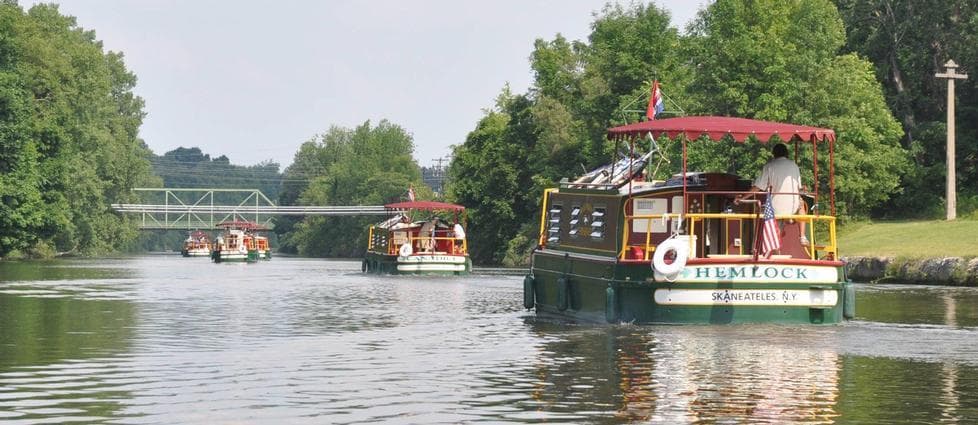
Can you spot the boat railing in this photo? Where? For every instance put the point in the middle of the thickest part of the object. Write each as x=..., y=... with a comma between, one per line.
x=820, y=245
x=592, y=186
x=542, y=241
x=378, y=241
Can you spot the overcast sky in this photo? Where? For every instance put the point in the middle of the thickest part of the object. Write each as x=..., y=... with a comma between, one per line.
x=253, y=80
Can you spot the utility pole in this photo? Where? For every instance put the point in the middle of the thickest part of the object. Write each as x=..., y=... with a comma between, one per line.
x=437, y=174
x=951, y=75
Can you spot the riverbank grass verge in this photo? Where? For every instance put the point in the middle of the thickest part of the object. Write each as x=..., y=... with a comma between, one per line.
x=910, y=239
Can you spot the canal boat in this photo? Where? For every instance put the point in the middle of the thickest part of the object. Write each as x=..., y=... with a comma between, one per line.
x=262, y=250
x=406, y=243
x=237, y=243
x=197, y=244
x=615, y=248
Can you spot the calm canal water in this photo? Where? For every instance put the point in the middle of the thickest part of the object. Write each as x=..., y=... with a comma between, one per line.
x=164, y=340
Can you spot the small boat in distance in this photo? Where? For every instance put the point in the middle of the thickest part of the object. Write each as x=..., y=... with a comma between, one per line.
x=239, y=243
x=400, y=245
x=263, y=252
x=197, y=244
x=614, y=247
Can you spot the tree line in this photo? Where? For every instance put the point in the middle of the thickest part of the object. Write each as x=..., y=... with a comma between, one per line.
x=69, y=121
x=69, y=144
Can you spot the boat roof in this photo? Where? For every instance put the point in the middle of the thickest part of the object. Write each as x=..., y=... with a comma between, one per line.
x=241, y=224
x=424, y=205
x=716, y=128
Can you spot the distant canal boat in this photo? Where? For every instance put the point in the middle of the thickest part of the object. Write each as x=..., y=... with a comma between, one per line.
x=238, y=243
x=262, y=250
x=197, y=244
x=615, y=248
x=399, y=245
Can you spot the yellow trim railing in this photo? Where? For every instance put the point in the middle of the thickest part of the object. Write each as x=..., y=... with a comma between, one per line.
x=544, y=212
x=416, y=243
x=693, y=218
x=370, y=239
x=392, y=249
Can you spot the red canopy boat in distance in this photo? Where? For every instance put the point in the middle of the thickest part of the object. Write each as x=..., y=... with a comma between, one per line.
x=241, y=224
x=425, y=206
x=403, y=244
x=239, y=242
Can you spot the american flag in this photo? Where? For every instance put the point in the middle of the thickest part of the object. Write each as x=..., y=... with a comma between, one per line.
x=772, y=234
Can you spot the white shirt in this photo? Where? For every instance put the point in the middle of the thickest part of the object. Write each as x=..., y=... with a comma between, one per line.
x=458, y=231
x=781, y=175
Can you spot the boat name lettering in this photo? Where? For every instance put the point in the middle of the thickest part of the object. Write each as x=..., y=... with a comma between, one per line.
x=754, y=297
x=726, y=296
x=734, y=272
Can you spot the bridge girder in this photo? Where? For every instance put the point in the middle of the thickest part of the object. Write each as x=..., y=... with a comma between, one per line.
x=199, y=211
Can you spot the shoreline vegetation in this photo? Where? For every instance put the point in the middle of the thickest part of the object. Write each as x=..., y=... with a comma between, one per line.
x=904, y=252
x=71, y=143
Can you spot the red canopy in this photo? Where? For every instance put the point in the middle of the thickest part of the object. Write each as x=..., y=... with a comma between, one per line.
x=717, y=127
x=243, y=225
x=424, y=205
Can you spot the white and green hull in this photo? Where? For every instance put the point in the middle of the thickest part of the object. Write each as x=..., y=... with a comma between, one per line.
x=228, y=256
x=196, y=253
x=417, y=264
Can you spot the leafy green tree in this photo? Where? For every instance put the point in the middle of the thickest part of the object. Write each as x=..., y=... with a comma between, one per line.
x=488, y=175
x=69, y=142
x=526, y=143
x=762, y=59
x=368, y=165
x=779, y=61
x=191, y=168
x=908, y=42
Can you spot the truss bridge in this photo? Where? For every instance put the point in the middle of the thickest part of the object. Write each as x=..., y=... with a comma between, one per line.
x=170, y=208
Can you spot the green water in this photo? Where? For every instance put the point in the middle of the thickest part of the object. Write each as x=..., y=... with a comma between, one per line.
x=165, y=339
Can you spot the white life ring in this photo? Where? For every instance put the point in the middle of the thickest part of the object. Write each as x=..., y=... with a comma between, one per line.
x=242, y=247
x=681, y=249
x=406, y=250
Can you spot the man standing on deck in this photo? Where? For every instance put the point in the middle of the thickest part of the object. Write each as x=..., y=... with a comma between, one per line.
x=459, y=234
x=781, y=176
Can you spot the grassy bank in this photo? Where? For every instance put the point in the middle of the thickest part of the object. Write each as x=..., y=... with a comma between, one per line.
x=914, y=239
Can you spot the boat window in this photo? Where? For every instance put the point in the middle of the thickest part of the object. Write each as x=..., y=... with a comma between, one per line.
x=597, y=223
x=575, y=222
x=650, y=207
x=553, y=223
x=677, y=205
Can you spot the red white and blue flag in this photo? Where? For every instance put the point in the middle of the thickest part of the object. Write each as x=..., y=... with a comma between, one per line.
x=656, y=105
x=771, y=239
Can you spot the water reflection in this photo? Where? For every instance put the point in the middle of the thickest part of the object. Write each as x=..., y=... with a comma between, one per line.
x=28, y=271
x=932, y=305
x=690, y=374
x=171, y=340
x=57, y=353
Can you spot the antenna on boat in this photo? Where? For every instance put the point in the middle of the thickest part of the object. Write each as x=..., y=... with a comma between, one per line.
x=655, y=148
x=624, y=110
x=673, y=102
